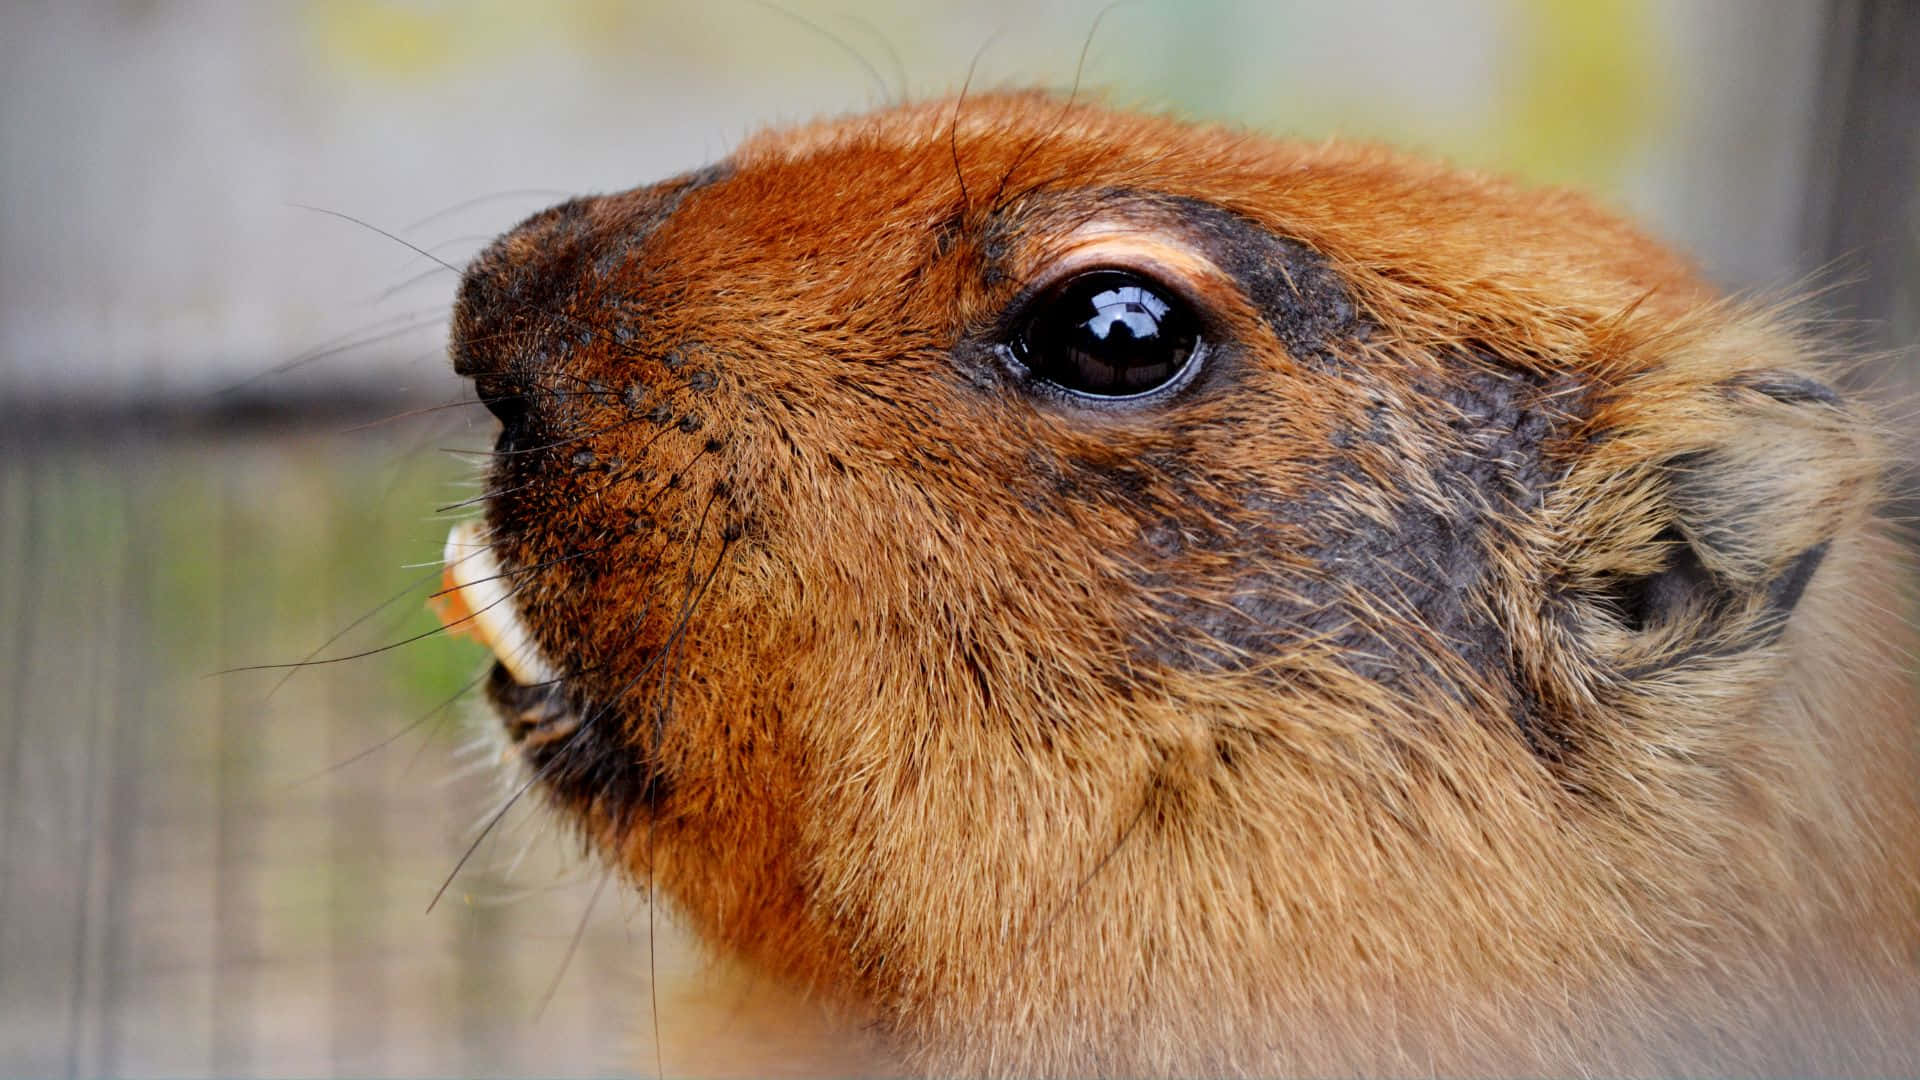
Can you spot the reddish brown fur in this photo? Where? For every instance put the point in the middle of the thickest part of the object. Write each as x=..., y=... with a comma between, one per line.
x=897, y=681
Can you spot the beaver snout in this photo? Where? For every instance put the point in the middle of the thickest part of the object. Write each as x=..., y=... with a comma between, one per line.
x=558, y=294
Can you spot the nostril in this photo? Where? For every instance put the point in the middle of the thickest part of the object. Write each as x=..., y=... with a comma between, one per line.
x=505, y=398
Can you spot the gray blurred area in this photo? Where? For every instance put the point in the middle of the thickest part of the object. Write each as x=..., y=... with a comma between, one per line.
x=160, y=156
x=226, y=425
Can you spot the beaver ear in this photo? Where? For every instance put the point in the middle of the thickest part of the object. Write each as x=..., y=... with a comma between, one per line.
x=1774, y=469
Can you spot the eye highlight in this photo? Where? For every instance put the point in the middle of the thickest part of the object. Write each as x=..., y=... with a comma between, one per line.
x=1107, y=334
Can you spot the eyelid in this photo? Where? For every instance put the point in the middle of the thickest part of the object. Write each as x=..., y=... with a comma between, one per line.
x=1172, y=264
x=1181, y=269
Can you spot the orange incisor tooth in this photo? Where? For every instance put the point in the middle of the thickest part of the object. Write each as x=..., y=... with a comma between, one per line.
x=449, y=605
x=477, y=601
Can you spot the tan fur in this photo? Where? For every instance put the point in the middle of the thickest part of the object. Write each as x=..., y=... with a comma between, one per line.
x=908, y=685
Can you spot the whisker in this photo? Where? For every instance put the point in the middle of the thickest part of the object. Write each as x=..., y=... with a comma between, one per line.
x=352, y=626
x=573, y=946
x=1066, y=108
x=953, y=125
x=442, y=629
x=410, y=727
x=473, y=242
x=901, y=92
x=410, y=414
x=419, y=321
x=569, y=440
x=555, y=444
x=494, y=820
x=392, y=291
x=520, y=571
x=484, y=496
x=408, y=244
x=418, y=250
x=653, y=755
x=839, y=42
x=1074, y=897
x=653, y=968
x=481, y=200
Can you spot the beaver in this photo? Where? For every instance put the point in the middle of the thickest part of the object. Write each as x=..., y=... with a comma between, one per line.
x=1082, y=593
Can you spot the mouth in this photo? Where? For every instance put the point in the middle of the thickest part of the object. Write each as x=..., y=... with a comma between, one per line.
x=476, y=600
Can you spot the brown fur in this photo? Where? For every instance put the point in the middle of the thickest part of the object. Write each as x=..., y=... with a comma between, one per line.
x=1329, y=717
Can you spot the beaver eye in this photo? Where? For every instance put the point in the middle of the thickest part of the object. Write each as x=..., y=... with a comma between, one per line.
x=1107, y=333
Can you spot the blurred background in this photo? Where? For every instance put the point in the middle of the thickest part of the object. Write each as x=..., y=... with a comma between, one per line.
x=226, y=423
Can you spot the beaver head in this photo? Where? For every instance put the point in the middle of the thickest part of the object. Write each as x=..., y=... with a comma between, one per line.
x=1097, y=594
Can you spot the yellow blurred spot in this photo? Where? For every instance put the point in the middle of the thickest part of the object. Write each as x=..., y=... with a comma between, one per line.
x=1583, y=95
x=399, y=41
x=416, y=41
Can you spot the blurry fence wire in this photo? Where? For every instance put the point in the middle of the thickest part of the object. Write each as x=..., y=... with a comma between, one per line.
x=1863, y=203
x=224, y=875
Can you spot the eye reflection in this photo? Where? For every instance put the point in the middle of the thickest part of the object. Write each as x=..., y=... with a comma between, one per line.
x=1107, y=333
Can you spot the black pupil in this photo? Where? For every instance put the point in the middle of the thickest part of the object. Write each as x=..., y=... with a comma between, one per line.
x=1109, y=333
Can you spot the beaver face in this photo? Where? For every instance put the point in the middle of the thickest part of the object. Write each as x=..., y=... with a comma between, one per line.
x=1097, y=593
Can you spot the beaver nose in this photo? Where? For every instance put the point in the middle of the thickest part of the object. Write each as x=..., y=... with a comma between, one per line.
x=516, y=292
x=512, y=331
